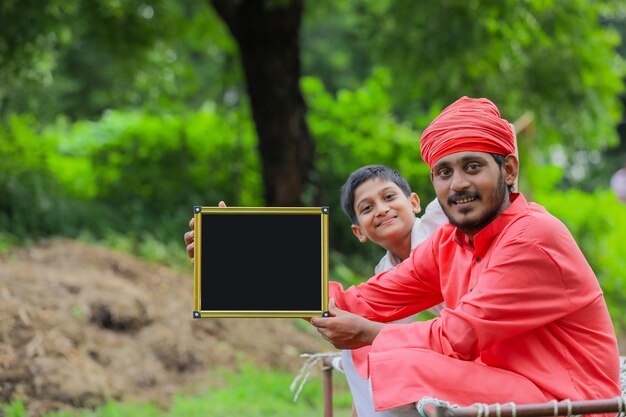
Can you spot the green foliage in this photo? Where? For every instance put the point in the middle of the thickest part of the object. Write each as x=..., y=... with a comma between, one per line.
x=250, y=392
x=80, y=58
x=15, y=409
x=334, y=47
x=7, y=241
x=131, y=173
x=555, y=60
x=151, y=169
x=356, y=128
x=33, y=202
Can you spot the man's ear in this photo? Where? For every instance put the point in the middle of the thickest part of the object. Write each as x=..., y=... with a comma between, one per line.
x=415, y=203
x=358, y=232
x=510, y=168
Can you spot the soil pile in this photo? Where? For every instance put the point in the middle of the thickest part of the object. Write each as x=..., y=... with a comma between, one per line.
x=80, y=324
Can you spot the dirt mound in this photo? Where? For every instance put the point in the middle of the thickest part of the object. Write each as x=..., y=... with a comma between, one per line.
x=81, y=324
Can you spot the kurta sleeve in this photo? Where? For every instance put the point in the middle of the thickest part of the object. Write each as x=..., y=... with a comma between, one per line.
x=411, y=287
x=521, y=289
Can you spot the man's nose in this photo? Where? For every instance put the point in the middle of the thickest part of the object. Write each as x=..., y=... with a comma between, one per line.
x=459, y=182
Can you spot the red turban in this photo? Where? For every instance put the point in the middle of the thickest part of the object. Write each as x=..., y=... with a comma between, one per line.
x=468, y=124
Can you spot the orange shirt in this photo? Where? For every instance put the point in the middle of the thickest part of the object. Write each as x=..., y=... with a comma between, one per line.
x=521, y=298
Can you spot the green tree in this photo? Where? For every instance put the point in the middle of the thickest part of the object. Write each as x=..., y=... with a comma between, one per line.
x=83, y=57
x=268, y=35
x=553, y=59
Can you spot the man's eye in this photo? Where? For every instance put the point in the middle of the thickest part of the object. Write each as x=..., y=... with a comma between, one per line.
x=444, y=172
x=473, y=167
x=389, y=196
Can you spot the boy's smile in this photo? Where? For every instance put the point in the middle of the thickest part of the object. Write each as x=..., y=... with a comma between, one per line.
x=388, y=221
x=385, y=214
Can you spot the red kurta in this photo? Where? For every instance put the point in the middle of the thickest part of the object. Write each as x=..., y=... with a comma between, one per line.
x=525, y=319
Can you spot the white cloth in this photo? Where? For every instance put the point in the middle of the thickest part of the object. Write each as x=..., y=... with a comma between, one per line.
x=360, y=387
x=362, y=396
x=423, y=227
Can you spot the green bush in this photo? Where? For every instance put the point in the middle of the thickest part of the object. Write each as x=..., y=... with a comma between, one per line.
x=131, y=174
x=32, y=201
x=152, y=169
x=128, y=171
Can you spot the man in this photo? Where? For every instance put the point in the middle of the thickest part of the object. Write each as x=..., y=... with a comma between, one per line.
x=525, y=319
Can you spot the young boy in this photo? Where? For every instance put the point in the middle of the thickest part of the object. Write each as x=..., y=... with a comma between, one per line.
x=382, y=208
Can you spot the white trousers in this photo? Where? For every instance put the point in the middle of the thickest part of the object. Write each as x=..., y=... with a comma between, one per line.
x=361, y=390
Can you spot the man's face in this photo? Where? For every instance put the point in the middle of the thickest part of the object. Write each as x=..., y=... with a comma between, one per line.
x=385, y=214
x=472, y=189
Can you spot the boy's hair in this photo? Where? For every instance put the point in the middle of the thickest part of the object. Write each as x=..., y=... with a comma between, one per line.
x=363, y=174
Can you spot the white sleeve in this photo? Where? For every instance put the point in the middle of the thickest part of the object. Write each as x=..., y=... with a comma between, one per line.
x=385, y=264
x=430, y=221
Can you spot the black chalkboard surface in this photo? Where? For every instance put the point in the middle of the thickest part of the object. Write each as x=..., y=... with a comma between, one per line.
x=260, y=261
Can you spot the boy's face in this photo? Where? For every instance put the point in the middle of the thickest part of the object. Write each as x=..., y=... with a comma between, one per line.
x=385, y=214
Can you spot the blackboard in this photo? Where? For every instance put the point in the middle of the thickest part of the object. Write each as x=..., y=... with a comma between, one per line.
x=260, y=261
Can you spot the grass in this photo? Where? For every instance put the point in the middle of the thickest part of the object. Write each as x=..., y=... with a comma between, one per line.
x=7, y=241
x=251, y=392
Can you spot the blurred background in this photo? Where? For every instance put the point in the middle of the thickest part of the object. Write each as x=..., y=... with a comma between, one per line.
x=117, y=117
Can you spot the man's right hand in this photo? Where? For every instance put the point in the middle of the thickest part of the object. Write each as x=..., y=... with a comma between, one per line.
x=346, y=330
x=189, y=236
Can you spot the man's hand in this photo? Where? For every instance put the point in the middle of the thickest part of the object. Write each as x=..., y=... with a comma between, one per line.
x=346, y=330
x=189, y=236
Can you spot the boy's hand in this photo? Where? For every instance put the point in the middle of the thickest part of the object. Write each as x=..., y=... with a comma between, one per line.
x=346, y=330
x=189, y=236
x=189, y=239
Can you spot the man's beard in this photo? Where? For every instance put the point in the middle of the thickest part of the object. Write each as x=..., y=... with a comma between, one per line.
x=471, y=227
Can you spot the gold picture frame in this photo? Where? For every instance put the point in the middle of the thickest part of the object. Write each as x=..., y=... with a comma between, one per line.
x=260, y=261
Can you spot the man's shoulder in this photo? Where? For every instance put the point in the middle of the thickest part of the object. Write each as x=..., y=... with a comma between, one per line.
x=542, y=217
x=538, y=224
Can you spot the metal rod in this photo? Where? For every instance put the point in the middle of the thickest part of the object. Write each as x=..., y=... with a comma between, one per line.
x=327, y=370
x=549, y=409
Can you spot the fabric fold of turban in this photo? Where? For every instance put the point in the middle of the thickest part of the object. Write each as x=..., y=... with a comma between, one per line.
x=468, y=124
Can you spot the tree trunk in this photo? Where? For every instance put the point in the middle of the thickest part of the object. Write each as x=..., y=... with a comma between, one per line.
x=267, y=33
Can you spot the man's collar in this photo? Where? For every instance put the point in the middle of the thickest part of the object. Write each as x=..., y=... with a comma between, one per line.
x=482, y=239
